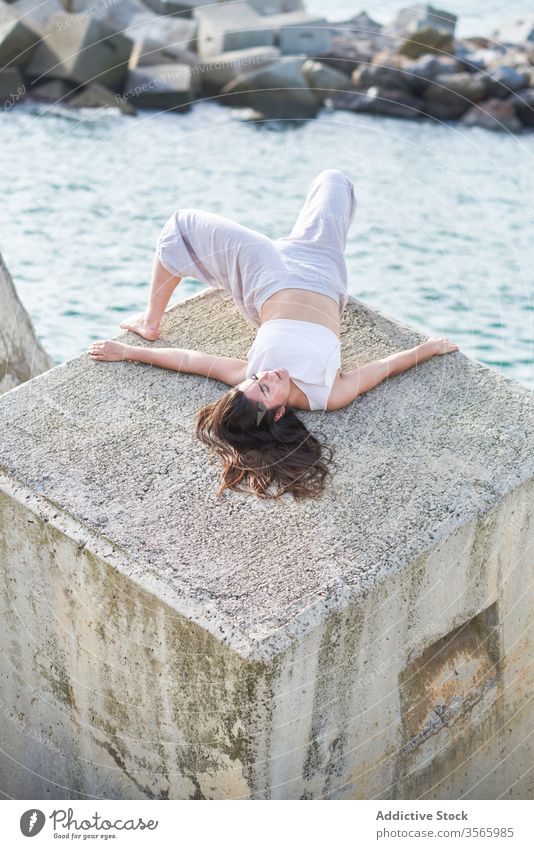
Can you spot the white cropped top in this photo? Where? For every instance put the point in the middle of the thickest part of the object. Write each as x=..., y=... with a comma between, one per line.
x=309, y=351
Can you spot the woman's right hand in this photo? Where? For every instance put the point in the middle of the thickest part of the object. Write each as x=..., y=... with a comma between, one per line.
x=109, y=351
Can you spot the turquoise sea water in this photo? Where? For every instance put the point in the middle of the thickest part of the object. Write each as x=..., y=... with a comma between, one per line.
x=443, y=237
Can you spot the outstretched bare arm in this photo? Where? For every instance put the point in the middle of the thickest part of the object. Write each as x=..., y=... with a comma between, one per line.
x=349, y=384
x=229, y=370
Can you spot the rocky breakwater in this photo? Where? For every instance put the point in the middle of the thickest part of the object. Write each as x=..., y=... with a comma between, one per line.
x=21, y=355
x=268, y=56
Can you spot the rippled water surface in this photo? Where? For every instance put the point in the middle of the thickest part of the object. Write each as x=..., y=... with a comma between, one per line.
x=443, y=237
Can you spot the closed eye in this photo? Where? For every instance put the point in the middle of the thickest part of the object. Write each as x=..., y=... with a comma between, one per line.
x=261, y=385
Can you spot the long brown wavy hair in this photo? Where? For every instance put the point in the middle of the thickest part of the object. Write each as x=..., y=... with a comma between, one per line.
x=260, y=455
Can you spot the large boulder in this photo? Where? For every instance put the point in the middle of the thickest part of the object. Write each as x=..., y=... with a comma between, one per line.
x=494, y=114
x=82, y=49
x=21, y=354
x=323, y=79
x=418, y=75
x=421, y=28
x=18, y=38
x=472, y=87
x=279, y=90
x=524, y=106
x=443, y=103
x=505, y=80
x=379, y=100
x=164, y=87
x=386, y=73
x=346, y=53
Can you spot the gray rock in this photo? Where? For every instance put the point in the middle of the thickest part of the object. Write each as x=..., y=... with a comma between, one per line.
x=83, y=50
x=422, y=28
x=472, y=87
x=494, y=114
x=21, y=355
x=383, y=74
x=346, y=53
x=278, y=91
x=18, y=39
x=524, y=106
x=420, y=74
x=220, y=70
x=165, y=87
x=504, y=80
x=324, y=79
x=379, y=100
x=442, y=103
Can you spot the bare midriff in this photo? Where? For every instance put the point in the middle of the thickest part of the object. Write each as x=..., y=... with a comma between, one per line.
x=302, y=305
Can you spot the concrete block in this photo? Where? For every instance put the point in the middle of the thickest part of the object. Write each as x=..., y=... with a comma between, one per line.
x=236, y=26
x=37, y=13
x=21, y=354
x=376, y=643
x=276, y=7
x=18, y=39
x=83, y=50
x=183, y=8
x=279, y=90
x=515, y=31
x=136, y=21
x=422, y=28
x=298, y=33
x=147, y=51
x=165, y=87
x=95, y=96
x=220, y=70
x=53, y=91
x=12, y=88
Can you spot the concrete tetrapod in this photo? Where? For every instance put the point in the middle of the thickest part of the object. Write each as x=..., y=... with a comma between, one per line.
x=21, y=354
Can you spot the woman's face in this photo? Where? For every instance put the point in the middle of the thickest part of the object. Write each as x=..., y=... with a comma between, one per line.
x=269, y=387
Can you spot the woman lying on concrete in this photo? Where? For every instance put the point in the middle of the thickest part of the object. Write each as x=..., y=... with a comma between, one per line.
x=294, y=290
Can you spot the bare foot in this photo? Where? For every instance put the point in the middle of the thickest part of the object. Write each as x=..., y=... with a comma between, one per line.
x=109, y=351
x=138, y=324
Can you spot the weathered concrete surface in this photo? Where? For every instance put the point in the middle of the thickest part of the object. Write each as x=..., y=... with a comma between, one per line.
x=162, y=642
x=21, y=355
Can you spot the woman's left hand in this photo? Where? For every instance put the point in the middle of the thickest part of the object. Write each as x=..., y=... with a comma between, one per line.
x=440, y=346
